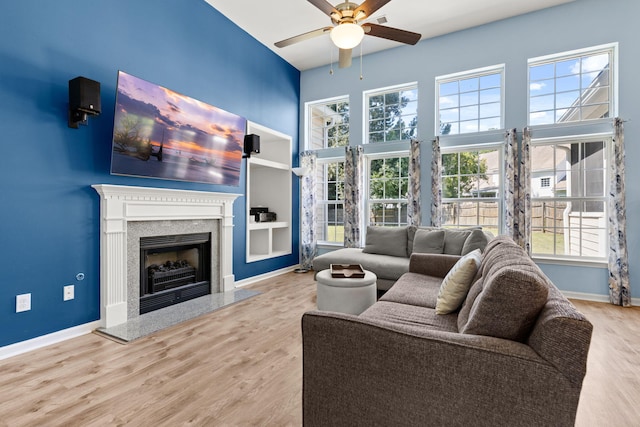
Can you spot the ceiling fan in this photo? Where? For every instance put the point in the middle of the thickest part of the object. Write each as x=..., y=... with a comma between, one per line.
x=349, y=27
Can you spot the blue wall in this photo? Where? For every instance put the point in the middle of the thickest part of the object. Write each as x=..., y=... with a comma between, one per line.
x=49, y=215
x=576, y=25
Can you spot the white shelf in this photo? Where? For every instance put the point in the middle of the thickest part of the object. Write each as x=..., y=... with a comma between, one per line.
x=269, y=184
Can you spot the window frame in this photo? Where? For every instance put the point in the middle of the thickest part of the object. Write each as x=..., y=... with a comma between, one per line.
x=384, y=91
x=607, y=140
x=309, y=128
x=611, y=48
x=499, y=199
x=464, y=75
x=369, y=158
x=324, y=203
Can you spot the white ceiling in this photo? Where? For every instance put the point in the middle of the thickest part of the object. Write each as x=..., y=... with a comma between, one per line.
x=275, y=20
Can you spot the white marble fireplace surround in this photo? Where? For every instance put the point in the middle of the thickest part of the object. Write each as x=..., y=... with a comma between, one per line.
x=174, y=212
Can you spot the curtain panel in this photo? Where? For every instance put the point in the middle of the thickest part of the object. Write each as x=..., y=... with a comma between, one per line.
x=512, y=190
x=353, y=183
x=414, y=216
x=524, y=192
x=308, y=242
x=436, y=184
x=619, y=287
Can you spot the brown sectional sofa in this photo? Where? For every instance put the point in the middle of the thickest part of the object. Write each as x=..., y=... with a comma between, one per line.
x=514, y=354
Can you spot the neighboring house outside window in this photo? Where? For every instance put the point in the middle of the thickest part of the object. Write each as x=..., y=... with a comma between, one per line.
x=472, y=187
x=388, y=184
x=328, y=123
x=330, y=202
x=471, y=101
x=392, y=114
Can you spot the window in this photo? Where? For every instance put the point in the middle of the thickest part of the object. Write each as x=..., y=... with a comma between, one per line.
x=330, y=206
x=328, y=124
x=571, y=87
x=545, y=182
x=470, y=102
x=472, y=188
x=388, y=184
x=392, y=114
x=569, y=220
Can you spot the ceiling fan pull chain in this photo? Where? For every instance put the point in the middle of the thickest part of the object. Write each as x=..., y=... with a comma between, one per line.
x=331, y=56
x=361, y=43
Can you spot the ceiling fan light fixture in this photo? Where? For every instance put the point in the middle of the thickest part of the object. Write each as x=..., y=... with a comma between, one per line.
x=347, y=35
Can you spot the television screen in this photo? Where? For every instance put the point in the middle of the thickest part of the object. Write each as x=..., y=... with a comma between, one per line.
x=159, y=133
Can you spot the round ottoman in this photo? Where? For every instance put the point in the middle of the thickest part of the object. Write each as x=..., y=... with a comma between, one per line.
x=346, y=295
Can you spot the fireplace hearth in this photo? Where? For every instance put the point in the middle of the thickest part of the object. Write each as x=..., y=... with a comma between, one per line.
x=174, y=269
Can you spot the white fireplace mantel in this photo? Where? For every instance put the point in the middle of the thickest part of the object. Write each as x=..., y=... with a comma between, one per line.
x=121, y=204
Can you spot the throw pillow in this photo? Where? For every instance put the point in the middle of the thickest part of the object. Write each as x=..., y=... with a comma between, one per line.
x=455, y=238
x=509, y=303
x=428, y=242
x=386, y=241
x=476, y=240
x=456, y=284
x=411, y=233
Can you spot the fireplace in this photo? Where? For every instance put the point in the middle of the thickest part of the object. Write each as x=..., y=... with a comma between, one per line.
x=130, y=213
x=173, y=269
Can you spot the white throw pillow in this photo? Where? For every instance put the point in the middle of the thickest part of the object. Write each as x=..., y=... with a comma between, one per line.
x=457, y=282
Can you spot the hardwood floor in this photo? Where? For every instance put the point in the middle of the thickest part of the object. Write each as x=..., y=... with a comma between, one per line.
x=242, y=366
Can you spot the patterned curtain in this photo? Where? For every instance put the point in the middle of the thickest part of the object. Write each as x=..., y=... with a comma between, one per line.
x=308, y=159
x=524, y=191
x=352, y=196
x=619, y=289
x=512, y=190
x=413, y=208
x=436, y=184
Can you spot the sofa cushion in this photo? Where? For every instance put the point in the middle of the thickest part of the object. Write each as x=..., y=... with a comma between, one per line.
x=509, y=303
x=409, y=317
x=414, y=289
x=477, y=239
x=456, y=284
x=386, y=241
x=428, y=242
x=454, y=240
x=384, y=266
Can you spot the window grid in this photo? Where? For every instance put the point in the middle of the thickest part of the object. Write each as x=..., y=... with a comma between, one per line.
x=571, y=88
x=470, y=102
x=392, y=115
x=388, y=185
x=472, y=182
x=328, y=124
x=571, y=222
x=330, y=205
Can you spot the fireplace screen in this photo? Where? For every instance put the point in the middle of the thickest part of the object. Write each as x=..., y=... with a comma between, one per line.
x=174, y=269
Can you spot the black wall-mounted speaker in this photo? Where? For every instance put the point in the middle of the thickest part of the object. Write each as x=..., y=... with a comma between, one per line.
x=251, y=144
x=84, y=95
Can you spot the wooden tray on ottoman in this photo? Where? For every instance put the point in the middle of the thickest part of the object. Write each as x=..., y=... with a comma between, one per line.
x=347, y=271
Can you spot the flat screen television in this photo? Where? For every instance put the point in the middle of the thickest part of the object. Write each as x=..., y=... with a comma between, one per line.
x=159, y=133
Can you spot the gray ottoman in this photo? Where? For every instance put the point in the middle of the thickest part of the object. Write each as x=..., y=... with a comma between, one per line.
x=352, y=296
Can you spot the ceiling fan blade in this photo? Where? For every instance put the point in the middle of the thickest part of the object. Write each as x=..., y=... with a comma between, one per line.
x=389, y=33
x=324, y=6
x=302, y=37
x=344, y=59
x=370, y=6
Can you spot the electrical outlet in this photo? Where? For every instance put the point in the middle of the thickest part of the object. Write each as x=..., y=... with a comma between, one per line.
x=23, y=302
x=68, y=293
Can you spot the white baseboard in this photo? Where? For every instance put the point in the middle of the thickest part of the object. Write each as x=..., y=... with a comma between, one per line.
x=254, y=279
x=594, y=297
x=46, y=340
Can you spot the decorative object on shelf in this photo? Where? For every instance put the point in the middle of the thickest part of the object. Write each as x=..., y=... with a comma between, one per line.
x=349, y=27
x=84, y=100
x=251, y=145
x=300, y=172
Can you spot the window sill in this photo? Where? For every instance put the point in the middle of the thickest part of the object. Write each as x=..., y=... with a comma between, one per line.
x=595, y=263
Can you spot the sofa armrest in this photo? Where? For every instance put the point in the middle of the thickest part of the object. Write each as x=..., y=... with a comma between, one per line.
x=361, y=372
x=437, y=265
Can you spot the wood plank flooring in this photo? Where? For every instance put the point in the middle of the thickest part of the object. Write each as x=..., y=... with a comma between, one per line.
x=242, y=366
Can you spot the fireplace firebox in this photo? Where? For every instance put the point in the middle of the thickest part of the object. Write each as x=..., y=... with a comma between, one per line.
x=174, y=269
